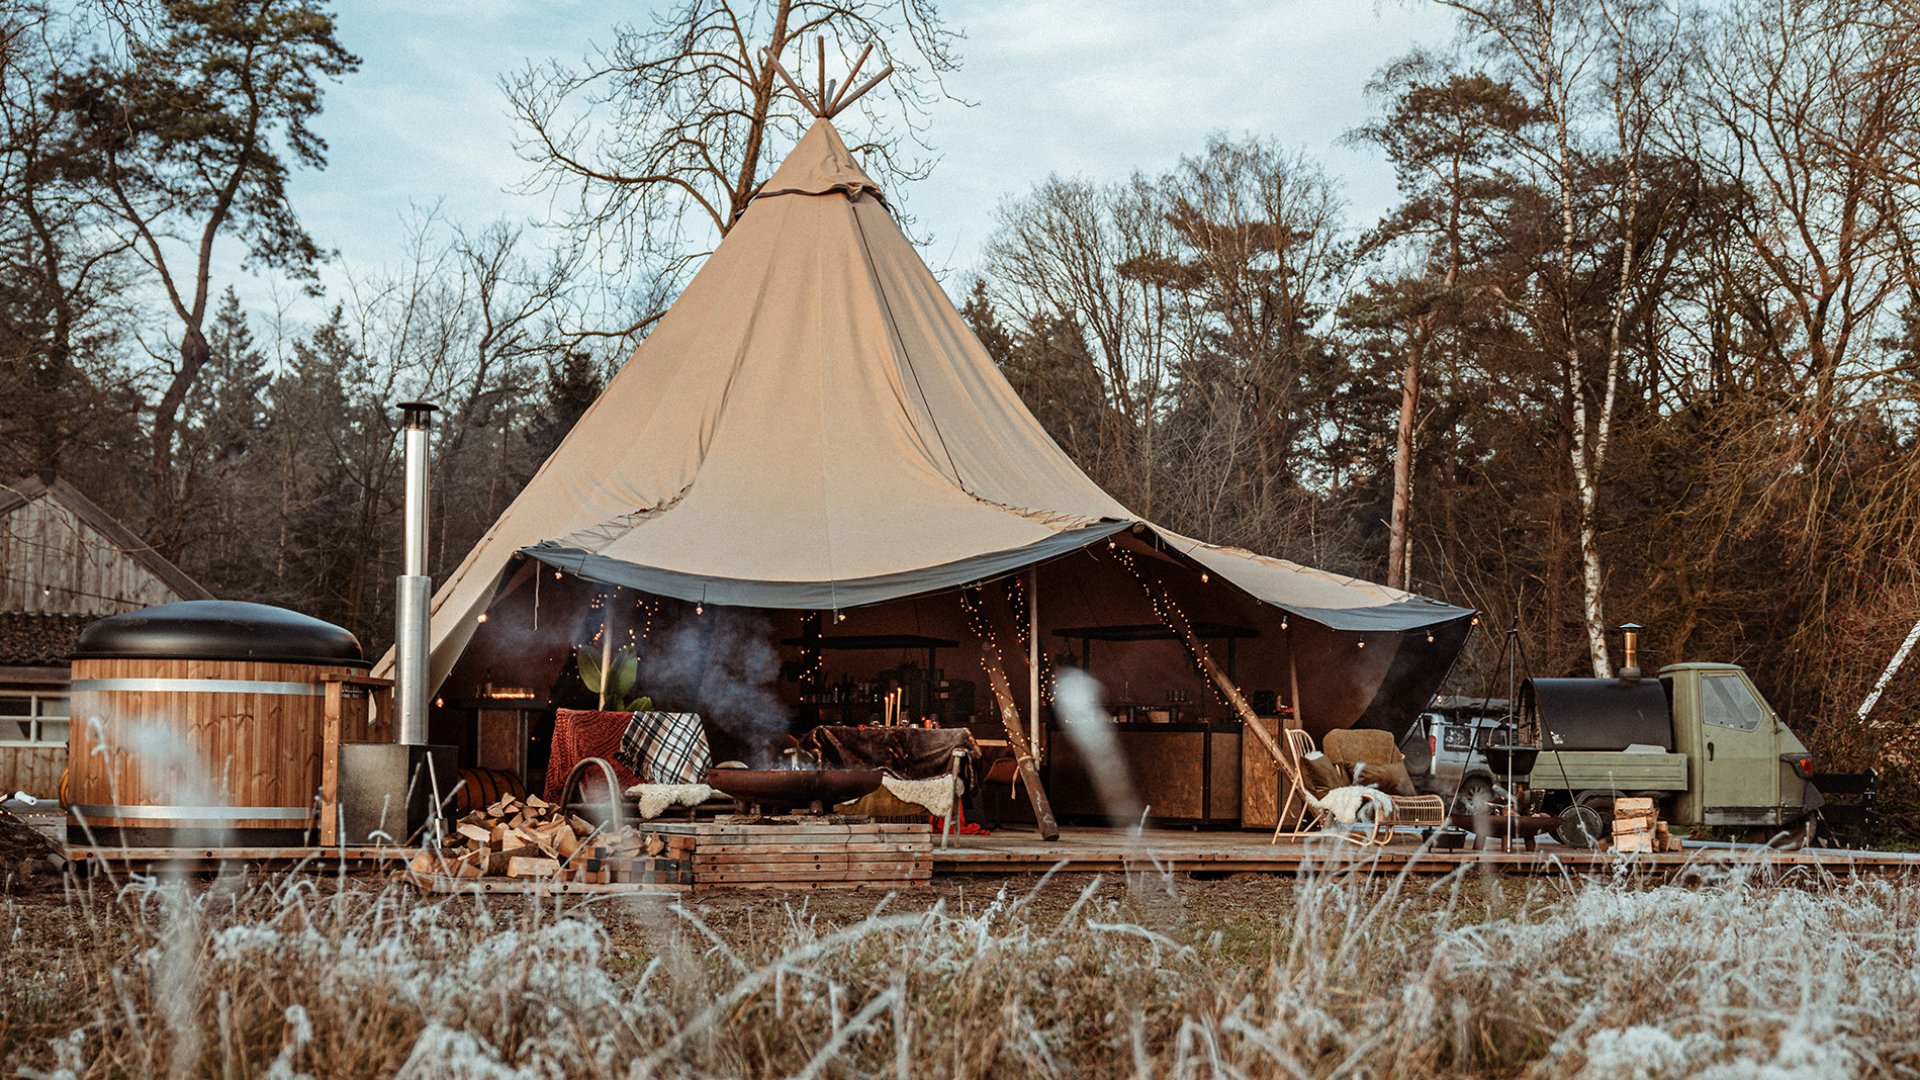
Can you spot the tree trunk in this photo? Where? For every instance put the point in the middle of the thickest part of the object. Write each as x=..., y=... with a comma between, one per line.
x=1399, y=551
x=167, y=532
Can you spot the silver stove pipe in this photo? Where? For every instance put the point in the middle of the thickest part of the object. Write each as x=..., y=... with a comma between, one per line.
x=415, y=587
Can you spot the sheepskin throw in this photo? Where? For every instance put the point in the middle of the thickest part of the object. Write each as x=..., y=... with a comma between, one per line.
x=1347, y=803
x=934, y=794
x=655, y=799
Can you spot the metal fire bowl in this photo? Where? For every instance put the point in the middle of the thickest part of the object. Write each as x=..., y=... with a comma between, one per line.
x=1524, y=825
x=793, y=788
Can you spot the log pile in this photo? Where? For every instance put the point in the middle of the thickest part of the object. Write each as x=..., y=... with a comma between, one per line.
x=530, y=839
x=1637, y=827
x=799, y=853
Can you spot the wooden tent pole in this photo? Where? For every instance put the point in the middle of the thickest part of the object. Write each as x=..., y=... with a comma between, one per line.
x=1017, y=739
x=1248, y=718
x=1293, y=682
x=1033, y=661
x=833, y=107
x=849, y=99
x=791, y=85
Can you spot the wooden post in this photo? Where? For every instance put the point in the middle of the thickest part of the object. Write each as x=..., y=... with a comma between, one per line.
x=336, y=692
x=1022, y=750
x=1293, y=682
x=1035, y=735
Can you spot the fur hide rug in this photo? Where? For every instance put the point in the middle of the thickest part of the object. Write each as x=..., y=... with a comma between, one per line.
x=1347, y=804
x=934, y=794
x=656, y=799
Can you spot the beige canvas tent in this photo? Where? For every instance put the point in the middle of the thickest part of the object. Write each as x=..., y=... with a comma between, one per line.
x=813, y=426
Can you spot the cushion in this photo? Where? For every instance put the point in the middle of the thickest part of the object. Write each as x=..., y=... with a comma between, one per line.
x=1392, y=779
x=1323, y=774
x=1350, y=745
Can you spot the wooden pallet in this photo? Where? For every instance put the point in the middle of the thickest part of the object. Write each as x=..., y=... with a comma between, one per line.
x=494, y=886
x=800, y=853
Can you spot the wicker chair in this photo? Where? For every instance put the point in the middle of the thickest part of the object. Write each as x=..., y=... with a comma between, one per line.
x=1348, y=748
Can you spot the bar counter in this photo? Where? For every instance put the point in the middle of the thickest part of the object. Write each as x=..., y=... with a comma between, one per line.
x=1186, y=773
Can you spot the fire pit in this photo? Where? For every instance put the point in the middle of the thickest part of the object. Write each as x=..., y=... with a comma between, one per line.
x=793, y=789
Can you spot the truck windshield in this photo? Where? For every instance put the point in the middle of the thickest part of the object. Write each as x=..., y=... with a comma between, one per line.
x=1725, y=701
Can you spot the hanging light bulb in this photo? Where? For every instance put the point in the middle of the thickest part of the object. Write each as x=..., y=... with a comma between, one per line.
x=1429, y=638
x=839, y=616
x=1359, y=644
x=483, y=617
x=700, y=609
x=556, y=575
x=1204, y=578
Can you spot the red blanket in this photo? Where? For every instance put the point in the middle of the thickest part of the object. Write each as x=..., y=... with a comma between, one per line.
x=585, y=733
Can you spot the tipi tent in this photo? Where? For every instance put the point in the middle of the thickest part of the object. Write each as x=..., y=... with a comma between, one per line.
x=813, y=426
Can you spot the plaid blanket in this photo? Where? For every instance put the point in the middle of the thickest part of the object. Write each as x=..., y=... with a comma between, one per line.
x=666, y=748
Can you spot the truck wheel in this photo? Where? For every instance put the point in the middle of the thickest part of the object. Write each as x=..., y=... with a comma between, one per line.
x=1581, y=826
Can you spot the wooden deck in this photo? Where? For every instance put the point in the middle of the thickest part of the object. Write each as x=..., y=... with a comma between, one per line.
x=195, y=860
x=1087, y=850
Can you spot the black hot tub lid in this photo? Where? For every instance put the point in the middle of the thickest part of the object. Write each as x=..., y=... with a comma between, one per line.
x=219, y=630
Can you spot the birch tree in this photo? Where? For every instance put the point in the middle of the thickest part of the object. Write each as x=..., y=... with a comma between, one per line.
x=1562, y=53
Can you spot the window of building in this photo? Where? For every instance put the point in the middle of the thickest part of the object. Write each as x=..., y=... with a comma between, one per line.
x=32, y=719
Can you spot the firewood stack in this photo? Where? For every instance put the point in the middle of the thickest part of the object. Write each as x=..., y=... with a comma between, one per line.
x=532, y=838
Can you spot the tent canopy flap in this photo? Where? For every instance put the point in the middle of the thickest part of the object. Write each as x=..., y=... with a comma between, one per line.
x=815, y=595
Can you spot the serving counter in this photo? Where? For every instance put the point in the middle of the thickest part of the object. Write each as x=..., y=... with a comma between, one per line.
x=1184, y=773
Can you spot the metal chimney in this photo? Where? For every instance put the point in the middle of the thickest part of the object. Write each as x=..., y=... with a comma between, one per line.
x=415, y=587
x=1630, y=646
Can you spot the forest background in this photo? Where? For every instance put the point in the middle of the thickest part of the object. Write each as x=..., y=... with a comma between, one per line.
x=1640, y=339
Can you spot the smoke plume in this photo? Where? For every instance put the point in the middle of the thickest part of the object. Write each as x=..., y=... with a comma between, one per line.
x=722, y=665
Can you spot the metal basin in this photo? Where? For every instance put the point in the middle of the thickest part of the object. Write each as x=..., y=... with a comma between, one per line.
x=792, y=788
x=1524, y=825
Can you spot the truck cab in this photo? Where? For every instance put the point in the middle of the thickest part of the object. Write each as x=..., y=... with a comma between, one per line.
x=1750, y=769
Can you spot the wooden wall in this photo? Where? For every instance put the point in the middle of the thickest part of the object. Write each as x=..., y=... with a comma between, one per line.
x=32, y=769
x=46, y=543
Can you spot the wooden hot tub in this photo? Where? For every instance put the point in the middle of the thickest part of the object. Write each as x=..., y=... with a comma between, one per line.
x=202, y=724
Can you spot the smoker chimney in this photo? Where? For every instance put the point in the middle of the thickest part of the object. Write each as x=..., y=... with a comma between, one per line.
x=1630, y=645
x=410, y=614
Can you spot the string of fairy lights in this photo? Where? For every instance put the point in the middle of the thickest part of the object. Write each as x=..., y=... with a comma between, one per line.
x=1167, y=610
x=648, y=609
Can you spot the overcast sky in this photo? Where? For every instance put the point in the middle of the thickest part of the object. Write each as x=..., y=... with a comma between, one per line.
x=1077, y=87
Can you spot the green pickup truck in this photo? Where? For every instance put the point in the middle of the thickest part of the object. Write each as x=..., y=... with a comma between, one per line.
x=1699, y=739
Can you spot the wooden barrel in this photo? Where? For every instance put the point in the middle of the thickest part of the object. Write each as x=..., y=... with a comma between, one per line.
x=481, y=788
x=201, y=724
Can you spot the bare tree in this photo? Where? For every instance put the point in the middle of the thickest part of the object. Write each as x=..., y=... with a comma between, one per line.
x=667, y=133
x=1070, y=252
x=1562, y=53
x=1810, y=98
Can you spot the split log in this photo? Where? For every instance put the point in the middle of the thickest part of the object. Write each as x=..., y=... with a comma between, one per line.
x=524, y=866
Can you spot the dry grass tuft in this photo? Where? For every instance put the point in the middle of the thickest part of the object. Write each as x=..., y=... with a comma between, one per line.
x=1322, y=977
